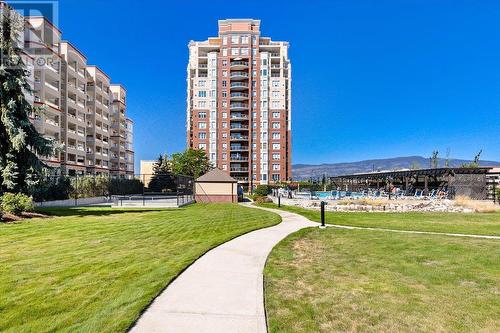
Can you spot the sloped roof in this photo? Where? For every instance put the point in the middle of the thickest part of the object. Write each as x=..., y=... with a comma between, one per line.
x=216, y=176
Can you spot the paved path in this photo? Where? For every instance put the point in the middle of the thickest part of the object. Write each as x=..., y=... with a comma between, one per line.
x=223, y=290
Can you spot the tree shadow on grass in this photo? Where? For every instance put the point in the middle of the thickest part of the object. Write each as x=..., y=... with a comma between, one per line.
x=98, y=211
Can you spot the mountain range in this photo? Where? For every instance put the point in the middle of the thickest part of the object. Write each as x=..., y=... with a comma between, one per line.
x=305, y=171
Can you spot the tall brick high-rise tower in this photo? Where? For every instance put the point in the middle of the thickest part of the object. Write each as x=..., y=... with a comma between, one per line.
x=238, y=102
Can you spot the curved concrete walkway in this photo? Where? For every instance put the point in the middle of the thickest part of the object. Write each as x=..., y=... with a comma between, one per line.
x=223, y=291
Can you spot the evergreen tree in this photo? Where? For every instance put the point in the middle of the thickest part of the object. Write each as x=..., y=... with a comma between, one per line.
x=162, y=180
x=20, y=143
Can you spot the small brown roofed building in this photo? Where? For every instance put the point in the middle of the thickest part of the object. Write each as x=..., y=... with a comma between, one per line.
x=216, y=186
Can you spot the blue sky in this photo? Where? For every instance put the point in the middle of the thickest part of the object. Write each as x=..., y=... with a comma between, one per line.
x=371, y=79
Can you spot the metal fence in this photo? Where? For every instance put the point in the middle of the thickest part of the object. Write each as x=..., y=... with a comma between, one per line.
x=161, y=190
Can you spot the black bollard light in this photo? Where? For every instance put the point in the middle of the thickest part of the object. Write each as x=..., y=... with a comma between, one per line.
x=323, y=215
x=279, y=200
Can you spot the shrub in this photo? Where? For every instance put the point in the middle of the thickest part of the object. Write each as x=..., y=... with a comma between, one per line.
x=16, y=203
x=89, y=186
x=262, y=190
x=52, y=189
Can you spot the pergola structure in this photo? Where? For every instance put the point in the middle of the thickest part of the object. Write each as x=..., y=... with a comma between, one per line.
x=456, y=181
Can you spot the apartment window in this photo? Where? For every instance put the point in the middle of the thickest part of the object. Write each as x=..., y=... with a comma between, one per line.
x=254, y=105
x=224, y=40
x=264, y=72
x=254, y=62
x=276, y=94
x=276, y=114
x=213, y=62
x=224, y=166
x=224, y=93
x=276, y=177
x=213, y=84
x=235, y=39
x=276, y=83
x=202, y=125
x=264, y=104
x=202, y=146
x=254, y=156
x=244, y=51
x=276, y=135
x=254, y=166
x=212, y=93
x=224, y=104
x=264, y=62
x=224, y=83
x=212, y=135
x=254, y=73
x=276, y=167
x=254, y=177
x=254, y=93
x=213, y=73
x=224, y=135
x=202, y=104
x=224, y=73
x=254, y=114
x=276, y=146
x=224, y=124
x=224, y=115
x=254, y=52
x=276, y=125
x=202, y=135
x=224, y=156
x=212, y=124
x=212, y=146
x=235, y=51
x=224, y=52
x=254, y=124
x=212, y=114
x=276, y=104
x=202, y=93
x=264, y=93
x=264, y=114
x=201, y=83
x=276, y=156
x=263, y=177
x=224, y=146
x=224, y=63
x=202, y=114
x=212, y=104
x=244, y=39
x=254, y=145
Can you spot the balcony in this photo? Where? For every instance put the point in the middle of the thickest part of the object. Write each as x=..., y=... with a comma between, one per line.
x=238, y=106
x=241, y=179
x=239, y=75
x=239, y=116
x=238, y=96
x=238, y=158
x=238, y=148
x=235, y=127
x=239, y=85
x=239, y=137
x=239, y=169
x=239, y=64
x=275, y=54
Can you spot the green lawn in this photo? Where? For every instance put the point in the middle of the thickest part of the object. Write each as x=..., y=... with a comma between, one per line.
x=466, y=223
x=95, y=269
x=337, y=280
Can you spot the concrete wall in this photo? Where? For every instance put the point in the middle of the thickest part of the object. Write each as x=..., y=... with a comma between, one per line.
x=72, y=202
x=216, y=192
